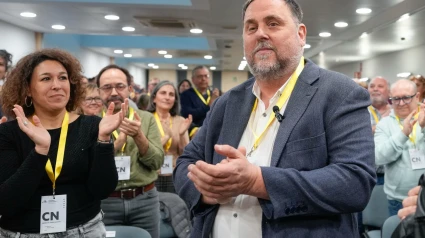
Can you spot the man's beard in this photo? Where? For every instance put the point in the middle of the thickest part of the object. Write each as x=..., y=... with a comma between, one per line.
x=117, y=106
x=264, y=69
x=378, y=100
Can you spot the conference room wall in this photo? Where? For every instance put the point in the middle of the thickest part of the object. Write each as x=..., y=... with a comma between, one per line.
x=16, y=40
x=389, y=65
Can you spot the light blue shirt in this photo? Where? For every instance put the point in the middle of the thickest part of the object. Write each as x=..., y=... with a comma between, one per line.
x=392, y=150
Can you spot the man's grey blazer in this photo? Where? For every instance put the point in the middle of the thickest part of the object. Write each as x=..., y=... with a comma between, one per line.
x=322, y=166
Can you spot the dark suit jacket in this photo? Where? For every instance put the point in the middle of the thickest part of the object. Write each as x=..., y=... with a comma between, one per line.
x=192, y=104
x=322, y=165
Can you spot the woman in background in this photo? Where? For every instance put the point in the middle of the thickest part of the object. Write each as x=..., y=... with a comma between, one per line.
x=420, y=84
x=92, y=103
x=164, y=104
x=5, y=63
x=51, y=154
x=184, y=85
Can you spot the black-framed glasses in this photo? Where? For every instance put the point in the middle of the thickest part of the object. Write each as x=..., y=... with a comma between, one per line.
x=89, y=100
x=108, y=88
x=406, y=99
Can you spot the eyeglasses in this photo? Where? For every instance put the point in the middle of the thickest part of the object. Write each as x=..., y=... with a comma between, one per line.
x=91, y=99
x=406, y=99
x=108, y=88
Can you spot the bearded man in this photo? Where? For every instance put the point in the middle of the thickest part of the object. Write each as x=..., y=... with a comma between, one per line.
x=289, y=153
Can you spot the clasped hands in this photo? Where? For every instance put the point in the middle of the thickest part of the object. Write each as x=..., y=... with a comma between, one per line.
x=111, y=122
x=231, y=177
x=408, y=123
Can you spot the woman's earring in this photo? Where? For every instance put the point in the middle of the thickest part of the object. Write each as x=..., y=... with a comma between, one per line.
x=28, y=104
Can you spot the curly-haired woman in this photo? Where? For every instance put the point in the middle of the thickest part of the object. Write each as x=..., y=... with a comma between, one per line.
x=55, y=166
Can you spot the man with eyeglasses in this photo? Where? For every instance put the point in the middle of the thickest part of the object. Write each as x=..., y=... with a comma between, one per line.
x=197, y=101
x=138, y=155
x=400, y=143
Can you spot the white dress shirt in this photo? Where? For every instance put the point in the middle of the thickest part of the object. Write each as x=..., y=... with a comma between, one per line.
x=242, y=216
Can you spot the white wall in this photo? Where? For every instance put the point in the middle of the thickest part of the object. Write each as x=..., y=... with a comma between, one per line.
x=389, y=65
x=17, y=41
x=92, y=62
x=139, y=74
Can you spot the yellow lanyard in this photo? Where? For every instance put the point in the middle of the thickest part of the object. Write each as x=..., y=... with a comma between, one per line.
x=115, y=133
x=202, y=97
x=413, y=137
x=375, y=116
x=61, y=151
x=282, y=100
x=161, y=130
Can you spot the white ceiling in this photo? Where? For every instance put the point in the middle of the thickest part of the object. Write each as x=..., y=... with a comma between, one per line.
x=222, y=25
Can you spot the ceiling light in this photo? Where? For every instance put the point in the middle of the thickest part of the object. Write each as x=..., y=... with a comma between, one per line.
x=168, y=56
x=364, y=11
x=112, y=17
x=196, y=31
x=364, y=34
x=307, y=46
x=404, y=17
x=213, y=68
x=181, y=65
x=58, y=27
x=28, y=14
x=162, y=52
x=118, y=51
x=341, y=24
x=155, y=66
x=325, y=34
x=184, y=67
x=404, y=75
x=151, y=65
x=128, y=55
x=128, y=28
x=208, y=57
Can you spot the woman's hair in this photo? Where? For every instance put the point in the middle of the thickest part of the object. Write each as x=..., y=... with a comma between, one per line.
x=175, y=110
x=181, y=82
x=420, y=79
x=7, y=57
x=15, y=89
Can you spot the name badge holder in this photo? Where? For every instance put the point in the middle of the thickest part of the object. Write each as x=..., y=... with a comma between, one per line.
x=53, y=214
x=167, y=167
x=417, y=159
x=123, y=167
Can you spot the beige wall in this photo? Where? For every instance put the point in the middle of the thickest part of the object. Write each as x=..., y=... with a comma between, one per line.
x=230, y=79
x=163, y=74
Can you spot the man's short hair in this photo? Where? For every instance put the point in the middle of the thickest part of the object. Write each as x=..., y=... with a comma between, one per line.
x=295, y=8
x=113, y=66
x=197, y=68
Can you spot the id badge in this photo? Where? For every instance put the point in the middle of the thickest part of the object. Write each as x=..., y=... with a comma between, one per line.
x=123, y=167
x=417, y=159
x=167, y=167
x=53, y=214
